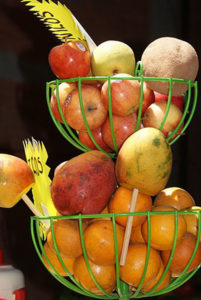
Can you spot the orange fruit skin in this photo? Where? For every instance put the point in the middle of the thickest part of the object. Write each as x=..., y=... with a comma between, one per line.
x=132, y=271
x=136, y=235
x=55, y=262
x=67, y=237
x=163, y=228
x=105, y=276
x=176, y=197
x=99, y=242
x=120, y=203
x=182, y=254
x=192, y=220
x=104, y=211
x=164, y=283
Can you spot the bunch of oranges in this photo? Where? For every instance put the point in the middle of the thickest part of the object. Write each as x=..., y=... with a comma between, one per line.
x=100, y=242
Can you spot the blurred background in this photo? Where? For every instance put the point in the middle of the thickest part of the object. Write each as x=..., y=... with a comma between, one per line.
x=24, y=46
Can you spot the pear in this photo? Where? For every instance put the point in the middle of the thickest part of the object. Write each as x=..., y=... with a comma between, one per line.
x=112, y=57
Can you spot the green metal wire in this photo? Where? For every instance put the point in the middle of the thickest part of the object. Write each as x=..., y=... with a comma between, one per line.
x=123, y=292
x=110, y=114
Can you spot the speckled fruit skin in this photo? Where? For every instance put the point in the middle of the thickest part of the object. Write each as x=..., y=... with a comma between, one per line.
x=84, y=184
x=144, y=161
x=169, y=57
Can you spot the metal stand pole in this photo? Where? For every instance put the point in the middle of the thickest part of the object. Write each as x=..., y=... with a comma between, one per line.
x=124, y=291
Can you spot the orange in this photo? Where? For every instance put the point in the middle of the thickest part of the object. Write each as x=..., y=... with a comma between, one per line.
x=55, y=262
x=192, y=220
x=132, y=271
x=163, y=228
x=176, y=197
x=105, y=276
x=120, y=203
x=183, y=252
x=100, y=243
x=104, y=211
x=67, y=237
x=164, y=283
x=136, y=235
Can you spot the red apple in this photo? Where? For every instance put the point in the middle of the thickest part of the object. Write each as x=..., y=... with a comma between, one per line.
x=125, y=95
x=70, y=59
x=155, y=113
x=123, y=128
x=177, y=100
x=64, y=90
x=94, y=109
x=148, y=98
x=84, y=184
x=98, y=137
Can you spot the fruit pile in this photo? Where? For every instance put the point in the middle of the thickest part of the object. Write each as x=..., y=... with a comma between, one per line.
x=99, y=238
x=112, y=109
x=82, y=186
x=104, y=202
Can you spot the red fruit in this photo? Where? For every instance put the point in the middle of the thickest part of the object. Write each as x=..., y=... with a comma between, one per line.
x=65, y=89
x=154, y=116
x=148, y=98
x=177, y=100
x=125, y=95
x=94, y=109
x=98, y=137
x=84, y=184
x=69, y=60
x=123, y=128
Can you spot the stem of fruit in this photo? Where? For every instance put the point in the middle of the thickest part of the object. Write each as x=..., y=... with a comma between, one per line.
x=128, y=228
x=34, y=210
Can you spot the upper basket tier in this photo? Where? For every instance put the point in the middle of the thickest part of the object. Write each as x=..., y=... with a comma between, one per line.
x=71, y=135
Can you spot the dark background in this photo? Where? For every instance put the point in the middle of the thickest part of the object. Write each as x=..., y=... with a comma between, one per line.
x=24, y=71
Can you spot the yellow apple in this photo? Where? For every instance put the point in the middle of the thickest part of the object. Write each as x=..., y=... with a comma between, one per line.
x=112, y=57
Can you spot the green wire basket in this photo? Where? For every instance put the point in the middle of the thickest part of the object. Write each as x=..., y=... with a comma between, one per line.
x=122, y=291
x=71, y=135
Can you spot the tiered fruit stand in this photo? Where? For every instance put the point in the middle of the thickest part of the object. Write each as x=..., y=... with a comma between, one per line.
x=123, y=291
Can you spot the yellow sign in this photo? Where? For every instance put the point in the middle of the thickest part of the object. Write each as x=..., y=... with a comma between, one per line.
x=36, y=156
x=59, y=19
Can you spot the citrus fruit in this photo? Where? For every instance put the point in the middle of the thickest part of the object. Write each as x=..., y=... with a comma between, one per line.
x=132, y=271
x=176, y=197
x=55, y=262
x=67, y=236
x=163, y=228
x=120, y=203
x=105, y=276
x=100, y=243
x=164, y=283
x=136, y=235
x=183, y=252
x=192, y=220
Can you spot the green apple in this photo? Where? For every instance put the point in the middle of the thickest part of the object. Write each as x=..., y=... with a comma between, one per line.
x=112, y=57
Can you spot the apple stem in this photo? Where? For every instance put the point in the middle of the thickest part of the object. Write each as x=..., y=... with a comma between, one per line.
x=128, y=227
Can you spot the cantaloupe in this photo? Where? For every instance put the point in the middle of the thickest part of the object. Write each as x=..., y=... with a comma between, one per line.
x=169, y=57
x=144, y=161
